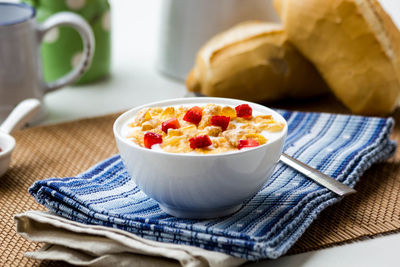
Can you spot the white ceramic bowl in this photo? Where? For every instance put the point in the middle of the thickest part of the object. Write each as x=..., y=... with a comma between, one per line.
x=7, y=145
x=196, y=185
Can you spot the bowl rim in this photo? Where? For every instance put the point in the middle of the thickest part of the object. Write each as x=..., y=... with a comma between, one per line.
x=195, y=100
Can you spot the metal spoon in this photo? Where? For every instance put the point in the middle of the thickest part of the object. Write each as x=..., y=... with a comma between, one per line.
x=317, y=176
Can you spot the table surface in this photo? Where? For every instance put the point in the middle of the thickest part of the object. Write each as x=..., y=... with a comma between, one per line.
x=135, y=80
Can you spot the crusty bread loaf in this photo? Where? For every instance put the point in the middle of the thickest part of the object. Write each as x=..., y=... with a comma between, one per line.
x=253, y=61
x=355, y=46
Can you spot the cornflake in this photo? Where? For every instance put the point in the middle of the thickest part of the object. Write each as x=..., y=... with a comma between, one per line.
x=240, y=130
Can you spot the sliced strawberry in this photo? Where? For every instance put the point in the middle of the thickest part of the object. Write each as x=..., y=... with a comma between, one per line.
x=200, y=141
x=221, y=121
x=151, y=138
x=193, y=115
x=247, y=143
x=244, y=111
x=171, y=123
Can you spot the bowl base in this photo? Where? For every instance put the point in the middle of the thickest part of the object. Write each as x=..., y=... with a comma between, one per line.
x=202, y=214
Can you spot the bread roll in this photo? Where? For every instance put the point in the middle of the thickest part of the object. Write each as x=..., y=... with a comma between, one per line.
x=253, y=61
x=355, y=46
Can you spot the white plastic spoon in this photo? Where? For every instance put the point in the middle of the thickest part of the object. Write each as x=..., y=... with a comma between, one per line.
x=21, y=114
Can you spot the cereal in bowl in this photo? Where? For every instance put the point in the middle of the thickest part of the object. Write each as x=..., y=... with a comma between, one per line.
x=207, y=129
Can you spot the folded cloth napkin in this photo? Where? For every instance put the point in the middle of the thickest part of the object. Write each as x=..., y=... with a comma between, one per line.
x=95, y=245
x=269, y=223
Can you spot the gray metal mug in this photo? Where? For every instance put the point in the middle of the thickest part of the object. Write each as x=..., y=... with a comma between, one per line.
x=20, y=64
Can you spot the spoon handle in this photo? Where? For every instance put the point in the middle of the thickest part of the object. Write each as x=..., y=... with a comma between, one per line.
x=317, y=176
x=20, y=115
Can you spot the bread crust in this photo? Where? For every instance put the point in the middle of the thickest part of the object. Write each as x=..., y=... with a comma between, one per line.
x=254, y=61
x=392, y=32
x=354, y=45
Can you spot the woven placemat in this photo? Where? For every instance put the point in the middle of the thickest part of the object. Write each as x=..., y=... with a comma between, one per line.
x=70, y=148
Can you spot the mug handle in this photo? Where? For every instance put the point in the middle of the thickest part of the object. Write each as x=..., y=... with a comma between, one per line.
x=82, y=27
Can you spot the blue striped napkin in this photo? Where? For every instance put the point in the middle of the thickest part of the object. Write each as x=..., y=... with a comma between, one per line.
x=269, y=223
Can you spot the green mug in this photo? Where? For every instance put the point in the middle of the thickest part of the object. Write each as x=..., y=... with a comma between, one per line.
x=62, y=47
